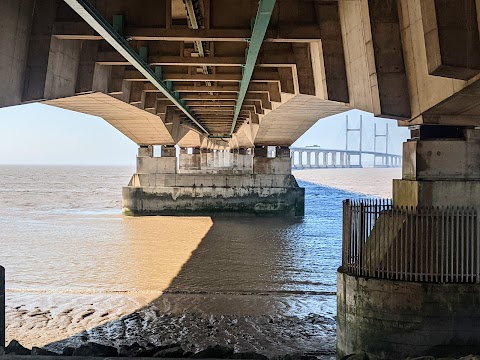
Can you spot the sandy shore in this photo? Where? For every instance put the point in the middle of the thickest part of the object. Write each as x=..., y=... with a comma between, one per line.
x=38, y=319
x=367, y=181
x=58, y=321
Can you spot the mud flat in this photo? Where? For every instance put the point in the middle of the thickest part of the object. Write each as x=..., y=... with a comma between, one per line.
x=244, y=322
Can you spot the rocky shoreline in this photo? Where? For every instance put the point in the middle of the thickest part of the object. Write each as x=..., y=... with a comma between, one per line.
x=135, y=350
x=364, y=356
x=177, y=351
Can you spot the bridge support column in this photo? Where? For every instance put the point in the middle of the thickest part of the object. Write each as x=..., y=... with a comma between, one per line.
x=309, y=159
x=148, y=164
x=145, y=151
x=189, y=162
x=203, y=158
x=412, y=285
x=440, y=171
x=283, y=152
x=342, y=159
x=244, y=161
x=209, y=183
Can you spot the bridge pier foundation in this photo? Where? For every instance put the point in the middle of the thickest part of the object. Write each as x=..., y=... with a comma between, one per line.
x=409, y=284
x=213, y=182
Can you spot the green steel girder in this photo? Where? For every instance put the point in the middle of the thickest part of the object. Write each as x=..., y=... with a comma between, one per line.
x=88, y=12
x=264, y=13
x=118, y=24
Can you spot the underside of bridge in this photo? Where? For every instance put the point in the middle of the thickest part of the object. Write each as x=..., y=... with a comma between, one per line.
x=226, y=79
x=239, y=75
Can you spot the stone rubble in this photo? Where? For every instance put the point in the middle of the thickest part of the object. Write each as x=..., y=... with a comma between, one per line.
x=175, y=350
x=169, y=351
x=364, y=356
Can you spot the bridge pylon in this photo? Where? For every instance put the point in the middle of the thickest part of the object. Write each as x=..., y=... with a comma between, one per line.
x=349, y=130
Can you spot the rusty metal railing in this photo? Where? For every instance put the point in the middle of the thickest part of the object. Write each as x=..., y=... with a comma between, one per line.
x=425, y=244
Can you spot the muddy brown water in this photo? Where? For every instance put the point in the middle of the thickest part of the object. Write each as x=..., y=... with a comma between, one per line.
x=77, y=270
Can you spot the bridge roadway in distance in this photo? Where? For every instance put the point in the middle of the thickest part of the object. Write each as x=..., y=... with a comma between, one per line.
x=226, y=79
x=318, y=158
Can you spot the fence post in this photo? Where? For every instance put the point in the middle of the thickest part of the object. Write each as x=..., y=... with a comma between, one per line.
x=346, y=233
x=362, y=239
x=2, y=307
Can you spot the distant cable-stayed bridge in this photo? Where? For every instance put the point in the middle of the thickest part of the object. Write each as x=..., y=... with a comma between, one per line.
x=316, y=157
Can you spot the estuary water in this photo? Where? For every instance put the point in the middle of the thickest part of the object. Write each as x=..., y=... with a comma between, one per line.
x=77, y=270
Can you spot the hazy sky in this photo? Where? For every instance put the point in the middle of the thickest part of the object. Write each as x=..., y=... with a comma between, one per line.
x=40, y=134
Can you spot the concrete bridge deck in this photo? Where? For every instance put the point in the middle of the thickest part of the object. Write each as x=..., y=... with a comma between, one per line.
x=184, y=75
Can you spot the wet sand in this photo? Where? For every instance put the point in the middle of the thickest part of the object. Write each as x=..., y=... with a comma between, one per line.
x=166, y=321
x=38, y=319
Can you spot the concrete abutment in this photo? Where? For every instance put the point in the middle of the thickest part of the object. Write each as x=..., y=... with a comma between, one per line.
x=409, y=285
x=397, y=319
x=213, y=183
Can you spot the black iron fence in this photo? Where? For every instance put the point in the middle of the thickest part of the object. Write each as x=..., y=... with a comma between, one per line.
x=430, y=244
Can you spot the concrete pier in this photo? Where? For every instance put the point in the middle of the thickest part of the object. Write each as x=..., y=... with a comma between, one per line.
x=396, y=319
x=218, y=182
x=409, y=284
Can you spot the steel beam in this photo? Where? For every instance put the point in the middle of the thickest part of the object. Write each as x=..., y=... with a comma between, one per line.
x=264, y=13
x=88, y=13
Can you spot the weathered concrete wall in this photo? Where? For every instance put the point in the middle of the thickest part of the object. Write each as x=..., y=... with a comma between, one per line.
x=15, y=29
x=214, y=180
x=242, y=162
x=209, y=182
x=156, y=165
x=359, y=55
x=215, y=163
x=436, y=193
x=440, y=172
x=189, y=162
x=394, y=320
x=279, y=165
x=145, y=151
x=212, y=183
x=62, y=68
x=2, y=307
x=441, y=160
x=215, y=197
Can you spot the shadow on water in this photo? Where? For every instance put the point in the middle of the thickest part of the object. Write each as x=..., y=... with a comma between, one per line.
x=256, y=284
